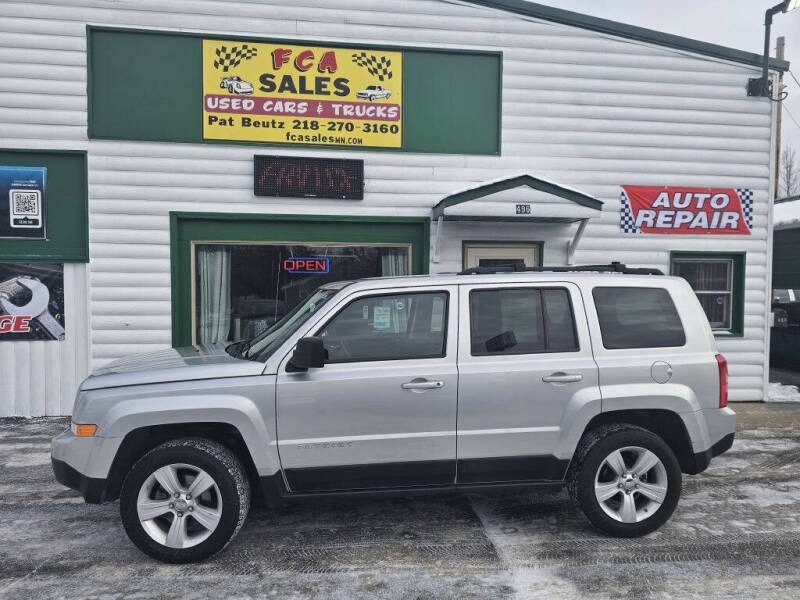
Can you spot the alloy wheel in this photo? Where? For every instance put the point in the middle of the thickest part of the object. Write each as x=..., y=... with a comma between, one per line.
x=631, y=484
x=179, y=505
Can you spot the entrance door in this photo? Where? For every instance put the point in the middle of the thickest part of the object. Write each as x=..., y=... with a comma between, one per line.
x=382, y=411
x=501, y=255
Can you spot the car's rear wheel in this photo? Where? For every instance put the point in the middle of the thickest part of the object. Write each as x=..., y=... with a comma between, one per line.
x=185, y=500
x=626, y=480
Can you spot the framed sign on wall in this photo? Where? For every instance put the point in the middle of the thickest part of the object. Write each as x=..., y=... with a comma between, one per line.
x=22, y=202
x=302, y=94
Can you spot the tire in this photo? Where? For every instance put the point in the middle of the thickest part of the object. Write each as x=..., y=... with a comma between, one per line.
x=591, y=467
x=223, y=505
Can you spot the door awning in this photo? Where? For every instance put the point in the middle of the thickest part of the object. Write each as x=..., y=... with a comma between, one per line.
x=520, y=197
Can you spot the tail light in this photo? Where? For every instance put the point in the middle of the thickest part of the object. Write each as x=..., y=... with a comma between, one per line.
x=722, y=364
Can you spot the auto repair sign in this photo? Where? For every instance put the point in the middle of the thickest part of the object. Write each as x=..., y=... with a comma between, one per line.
x=685, y=210
x=299, y=94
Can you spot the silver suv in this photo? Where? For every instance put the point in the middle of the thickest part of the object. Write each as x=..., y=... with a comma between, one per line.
x=602, y=378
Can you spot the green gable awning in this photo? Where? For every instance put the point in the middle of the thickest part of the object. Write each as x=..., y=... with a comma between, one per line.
x=518, y=198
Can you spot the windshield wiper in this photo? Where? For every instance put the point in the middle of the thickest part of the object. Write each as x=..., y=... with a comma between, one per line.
x=239, y=349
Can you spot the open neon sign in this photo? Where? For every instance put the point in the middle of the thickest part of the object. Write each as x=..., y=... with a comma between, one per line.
x=307, y=265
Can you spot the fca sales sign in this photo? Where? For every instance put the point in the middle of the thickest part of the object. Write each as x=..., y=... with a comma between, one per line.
x=291, y=94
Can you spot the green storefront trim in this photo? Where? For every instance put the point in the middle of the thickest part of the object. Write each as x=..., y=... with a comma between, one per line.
x=737, y=295
x=186, y=227
x=146, y=85
x=67, y=195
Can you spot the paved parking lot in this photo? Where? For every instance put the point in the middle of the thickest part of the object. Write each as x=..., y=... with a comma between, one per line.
x=736, y=533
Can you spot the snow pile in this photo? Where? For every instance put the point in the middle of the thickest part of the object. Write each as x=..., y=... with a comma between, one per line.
x=778, y=392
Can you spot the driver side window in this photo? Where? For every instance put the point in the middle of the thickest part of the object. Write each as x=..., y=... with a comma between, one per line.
x=388, y=327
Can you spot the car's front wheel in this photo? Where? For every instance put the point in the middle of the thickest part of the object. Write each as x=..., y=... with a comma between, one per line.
x=185, y=500
x=626, y=480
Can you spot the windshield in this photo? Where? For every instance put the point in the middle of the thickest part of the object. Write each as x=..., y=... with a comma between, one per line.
x=264, y=345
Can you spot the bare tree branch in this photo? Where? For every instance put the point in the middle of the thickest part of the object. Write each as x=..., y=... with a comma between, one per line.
x=789, y=184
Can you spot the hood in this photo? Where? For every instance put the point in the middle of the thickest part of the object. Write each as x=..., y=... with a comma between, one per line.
x=175, y=364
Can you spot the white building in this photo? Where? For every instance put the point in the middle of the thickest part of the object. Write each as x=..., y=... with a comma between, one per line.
x=490, y=132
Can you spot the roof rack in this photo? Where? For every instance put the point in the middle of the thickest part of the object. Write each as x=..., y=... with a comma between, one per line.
x=614, y=267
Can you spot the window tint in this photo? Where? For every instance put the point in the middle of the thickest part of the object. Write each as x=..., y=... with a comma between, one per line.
x=632, y=317
x=388, y=327
x=521, y=321
x=559, y=321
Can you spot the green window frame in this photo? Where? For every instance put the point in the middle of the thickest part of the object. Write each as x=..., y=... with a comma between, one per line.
x=187, y=228
x=733, y=323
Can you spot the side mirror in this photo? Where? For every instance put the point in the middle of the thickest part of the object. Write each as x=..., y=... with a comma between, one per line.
x=308, y=354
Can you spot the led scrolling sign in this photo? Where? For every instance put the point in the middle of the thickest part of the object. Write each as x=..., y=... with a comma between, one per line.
x=298, y=177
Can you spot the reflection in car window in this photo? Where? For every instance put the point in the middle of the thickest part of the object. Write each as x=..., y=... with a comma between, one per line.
x=632, y=317
x=388, y=327
x=521, y=321
x=262, y=346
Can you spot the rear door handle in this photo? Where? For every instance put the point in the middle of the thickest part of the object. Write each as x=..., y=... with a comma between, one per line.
x=422, y=384
x=562, y=378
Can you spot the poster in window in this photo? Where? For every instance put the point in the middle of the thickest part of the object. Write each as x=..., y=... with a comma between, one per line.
x=22, y=202
x=31, y=301
x=302, y=94
x=685, y=210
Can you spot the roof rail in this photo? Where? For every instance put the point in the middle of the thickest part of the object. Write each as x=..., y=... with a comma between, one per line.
x=614, y=267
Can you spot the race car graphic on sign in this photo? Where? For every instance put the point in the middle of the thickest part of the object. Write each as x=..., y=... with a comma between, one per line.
x=684, y=210
x=299, y=94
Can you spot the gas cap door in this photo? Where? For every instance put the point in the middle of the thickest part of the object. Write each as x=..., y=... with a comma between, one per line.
x=661, y=371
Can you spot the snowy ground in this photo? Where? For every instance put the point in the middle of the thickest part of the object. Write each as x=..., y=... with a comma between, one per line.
x=779, y=392
x=736, y=533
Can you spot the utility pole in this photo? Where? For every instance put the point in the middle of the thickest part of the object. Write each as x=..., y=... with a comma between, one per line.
x=779, y=55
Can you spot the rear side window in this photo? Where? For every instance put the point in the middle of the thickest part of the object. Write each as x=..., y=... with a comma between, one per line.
x=521, y=321
x=634, y=317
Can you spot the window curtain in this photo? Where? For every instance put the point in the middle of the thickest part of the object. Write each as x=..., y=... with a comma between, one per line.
x=394, y=262
x=214, y=268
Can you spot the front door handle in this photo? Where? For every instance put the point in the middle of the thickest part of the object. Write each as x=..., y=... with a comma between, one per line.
x=562, y=378
x=422, y=384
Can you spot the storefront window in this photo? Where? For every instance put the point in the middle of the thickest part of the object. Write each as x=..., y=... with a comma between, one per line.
x=242, y=289
x=717, y=281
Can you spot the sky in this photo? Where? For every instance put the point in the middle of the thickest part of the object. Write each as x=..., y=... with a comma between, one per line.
x=735, y=23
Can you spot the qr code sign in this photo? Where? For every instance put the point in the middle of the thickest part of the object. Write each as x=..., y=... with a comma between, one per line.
x=26, y=204
x=26, y=209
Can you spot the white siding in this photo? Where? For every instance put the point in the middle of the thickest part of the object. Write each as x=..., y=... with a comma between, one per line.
x=580, y=108
x=40, y=378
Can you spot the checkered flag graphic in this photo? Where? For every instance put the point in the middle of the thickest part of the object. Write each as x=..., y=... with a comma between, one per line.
x=626, y=222
x=746, y=199
x=380, y=67
x=228, y=58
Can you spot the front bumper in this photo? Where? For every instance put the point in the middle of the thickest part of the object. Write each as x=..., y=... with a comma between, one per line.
x=93, y=490
x=83, y=463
